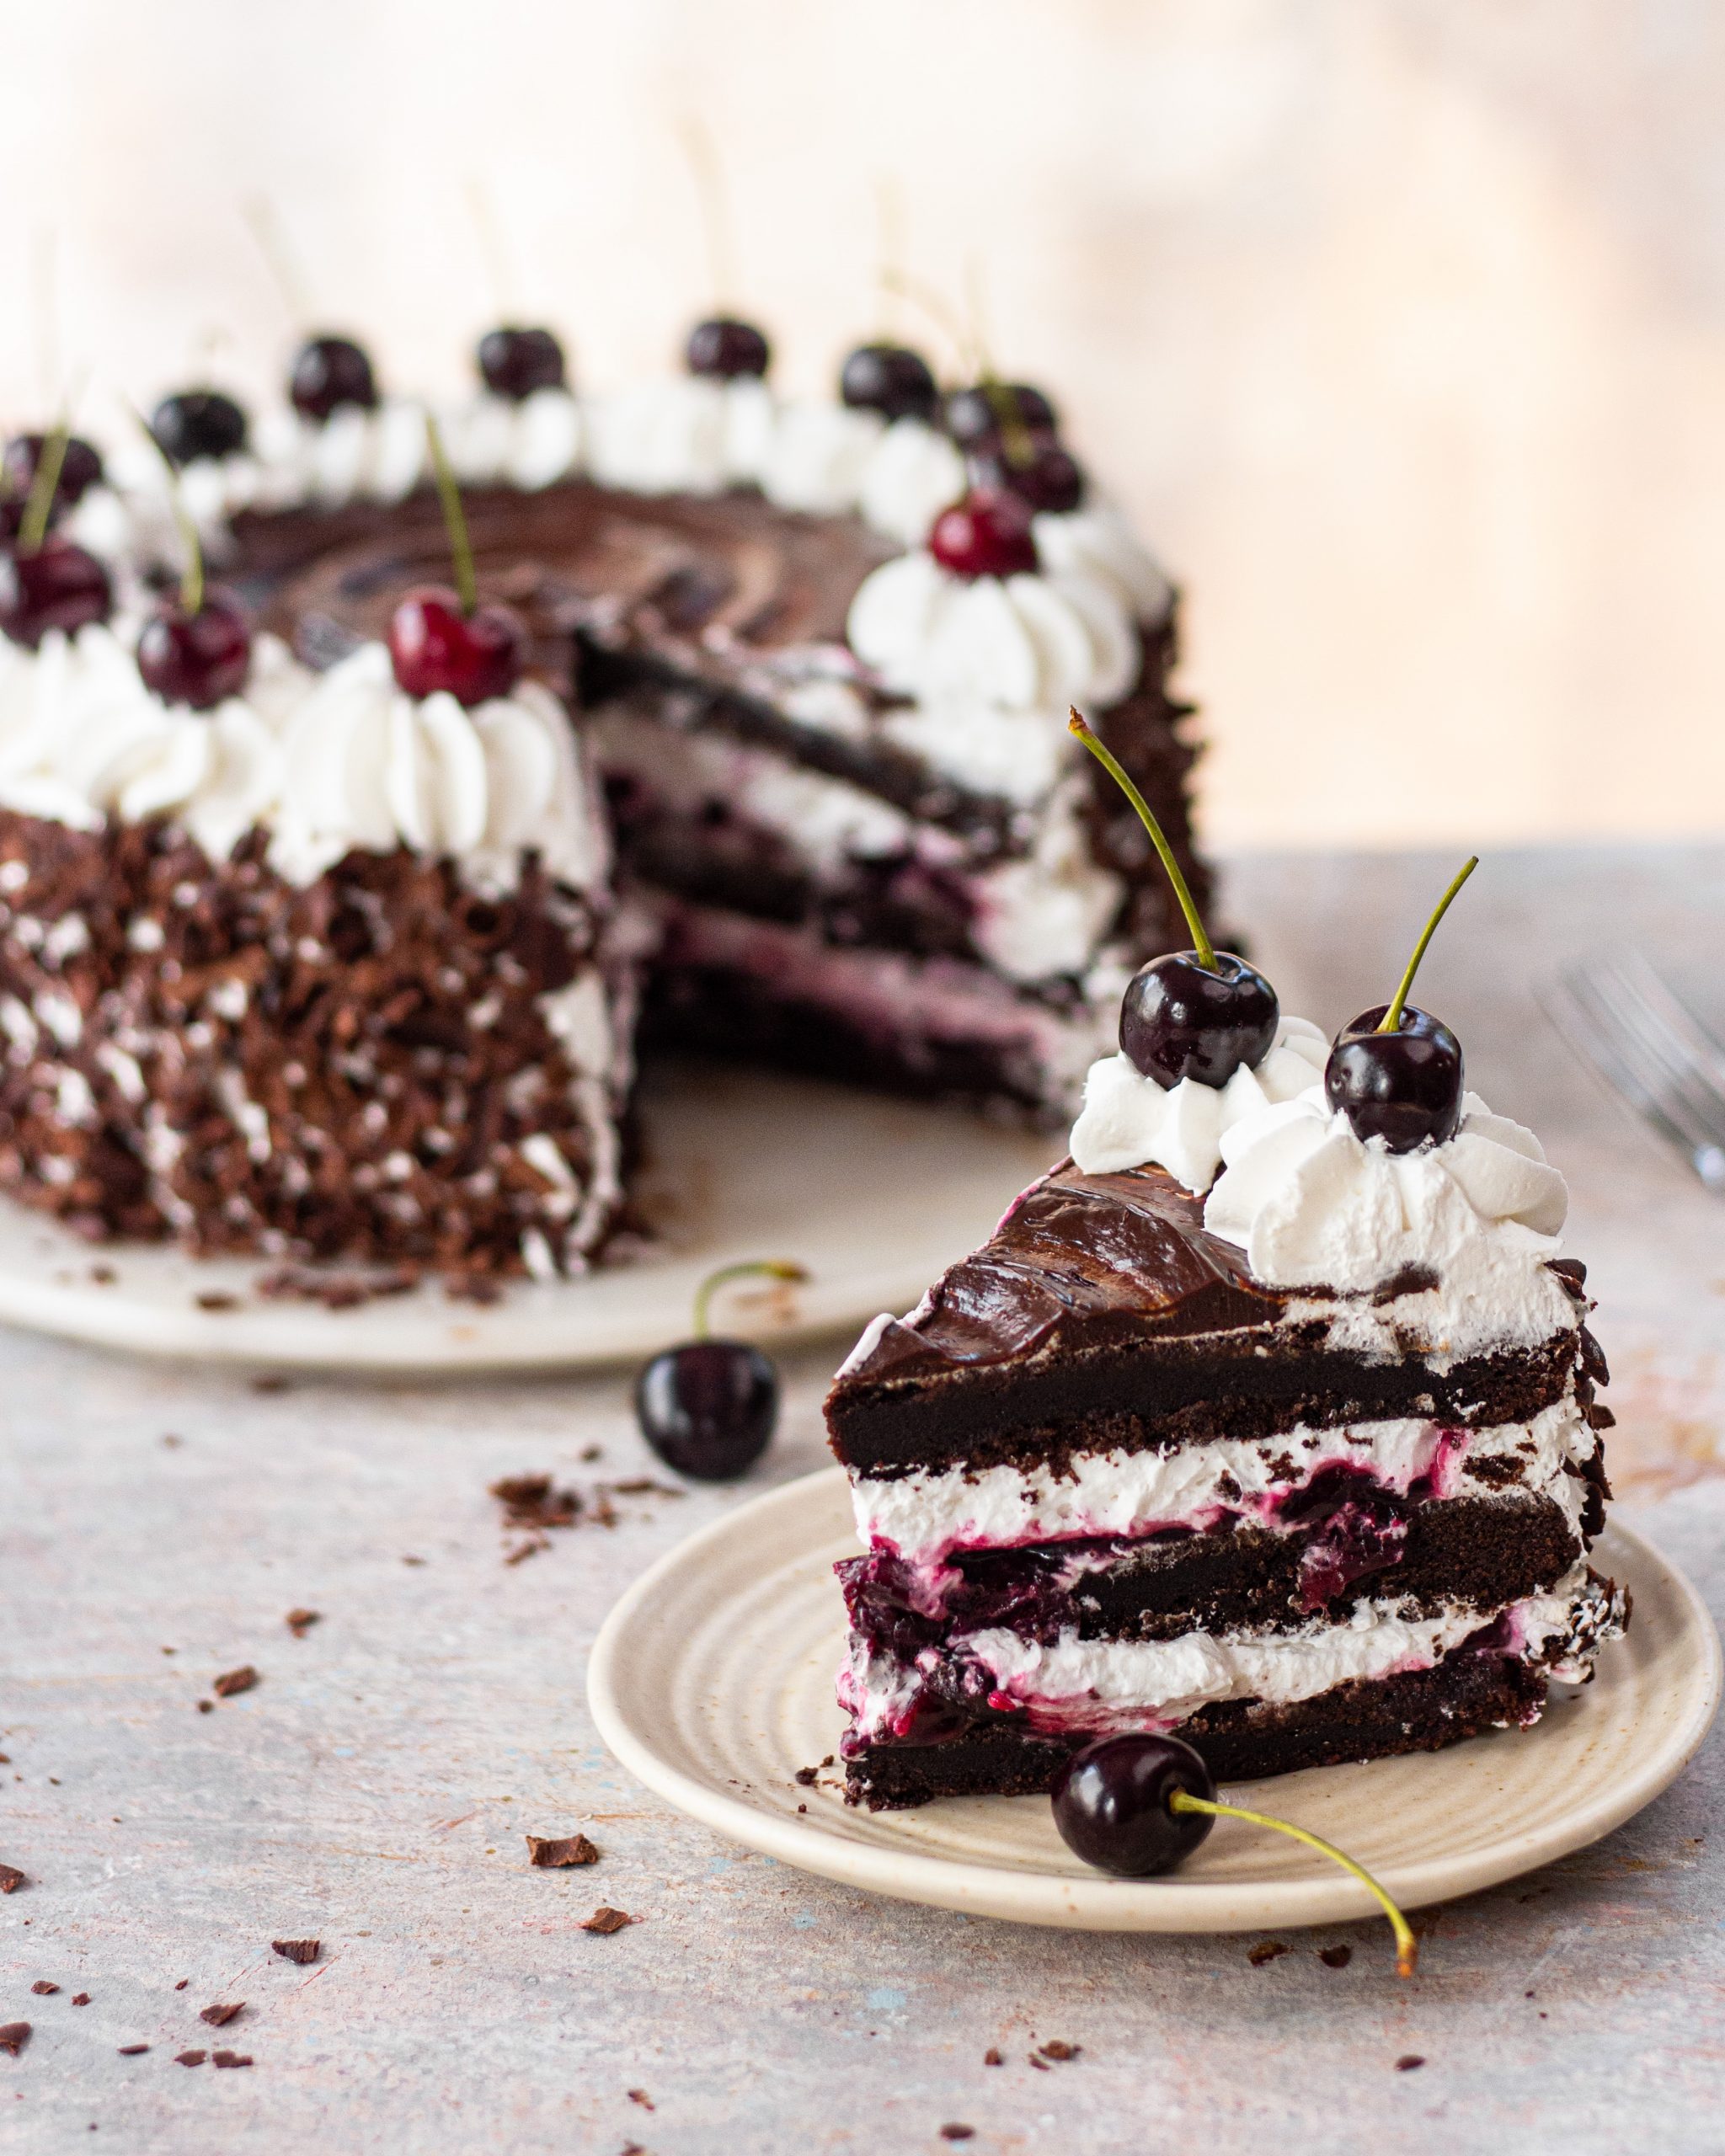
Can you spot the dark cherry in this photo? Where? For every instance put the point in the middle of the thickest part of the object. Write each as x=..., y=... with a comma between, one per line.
x=328, y=373
x=889, y=379
x=1050, y=478
x=59, y=586
x=198, y=423
x=986, y=534
x=1179, y=1020
x=1111, y=1804
x=434, y=645
x=973, y=415
x=80, y=469
x=1403, y=1088
x=727, y=348
x=196, y=659
x=708, y=1407
x=515, y=362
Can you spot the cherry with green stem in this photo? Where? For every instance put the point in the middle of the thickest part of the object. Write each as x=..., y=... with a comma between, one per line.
x=1395, y=1072
x=709, y=1406
x=196, y=648
x=80, y=469
x=443, y=642
x=1138, y=1806
x=45, y=582
x=1201, y=1014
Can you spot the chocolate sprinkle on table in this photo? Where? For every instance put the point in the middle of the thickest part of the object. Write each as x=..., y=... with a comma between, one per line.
x=957, y=2131
x=992, y=2057
x=43, y=1988
x=1335, y=1958
x=300, y=1621
x=1408, y=2062
x=230, y=2058
x=189, y=2058
x=605, y=1919
x=234, y=1681
x=13, y=2036
x=1267, y=1950
x=133, y=2051
x=301, y=1951
x=80, y=1999
x=218, y=2017
x=1055, y=2049
x=11, y=1879
x=552, y=1854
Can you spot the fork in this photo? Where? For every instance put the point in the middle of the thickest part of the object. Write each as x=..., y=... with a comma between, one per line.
x=1622, y=1019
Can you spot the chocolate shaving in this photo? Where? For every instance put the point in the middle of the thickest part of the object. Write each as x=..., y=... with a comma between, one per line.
x=956, y=2131
x=218, y=2017
x=992, y=2057
x=43, y=1988
x=804, y=1777
x=640, y=2096
x=1055, y=2049
x=1408, y=2062
x=217, y=1302
x=13, y=2036
x=189, y=2058
x=301, y=1951
x=133, y=2051
x=80, y=1999
x=336, y=1291
x=643, y=1486
x=11, y=1879
x=300, y=1621
x=232, y=1681
x=553, y=1855
x=604, y=1919
x=230, y=2058
x=1267, y=1950
x=530, y=1502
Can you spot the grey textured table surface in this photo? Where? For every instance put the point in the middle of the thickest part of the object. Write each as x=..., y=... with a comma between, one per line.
x=374, y=1789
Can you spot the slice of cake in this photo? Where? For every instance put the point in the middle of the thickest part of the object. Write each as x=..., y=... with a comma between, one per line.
x=1301, y=1461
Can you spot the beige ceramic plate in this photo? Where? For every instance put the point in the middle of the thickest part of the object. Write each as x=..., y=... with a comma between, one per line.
x=713, y=1682
x=874, y=1195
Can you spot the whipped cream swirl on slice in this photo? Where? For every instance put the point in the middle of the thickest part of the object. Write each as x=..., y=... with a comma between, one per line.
x=817, y=456
x=1096, y=542
x=366, y=765
x=684, y=434
x=1031, y=641
x=81, y=738
x=1312, y=1205
x=530, y=443
x=353, y=455
x=913, y=474
x=1129, y=1121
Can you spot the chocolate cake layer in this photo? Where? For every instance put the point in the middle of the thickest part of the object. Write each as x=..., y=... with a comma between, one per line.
x=1469, y=1552
x=1422, y=1710
x=250, y=1064
x=1100, y=1313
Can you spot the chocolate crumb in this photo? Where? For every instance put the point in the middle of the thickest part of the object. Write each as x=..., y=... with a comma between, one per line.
x=1055, y=2049
x=1335, y=1958
x=827, y=1761
x=955, y=2131
x=217, y=1302
x=181, y=1984
x=13, y=2036
x=1408, y=2062
x=804, y=1777
x=189, y=2058
x=105, y=1276
x=335, y=1291
x=643, y=1486
x=1267, y=1950
x=992, y=2057
x=530, y=1503
x=300, y=1950
x=1041, y=2065
x=269, y=1381
x=207, y=1706
x=133, y=2051
x=80, y=1999
x=218, y=2017
x=591, y=1452
x=232, y=1681
x=640, y=2096
x=230, y=2058
x=300, y=1621
x=173, y=1442
x=802, y=1808
x=43, y=1990
x=11, y=1879
x=413, y=1561
x=553, y=1855
x=605, y=1919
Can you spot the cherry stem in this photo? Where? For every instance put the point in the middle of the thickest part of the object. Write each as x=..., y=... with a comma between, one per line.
x=454, y=519
x=33, y=527
x=1391, y=1021
x=770, y=1268
x=698, y=146
x=934, y=304
x=265, y=229
x=191, y=577
x=1201, y=942
x=1406, y=1945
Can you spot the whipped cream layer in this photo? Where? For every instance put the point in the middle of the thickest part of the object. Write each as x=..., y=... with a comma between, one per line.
x=925, y=1516
x=322, y=762
x=1072, y=1686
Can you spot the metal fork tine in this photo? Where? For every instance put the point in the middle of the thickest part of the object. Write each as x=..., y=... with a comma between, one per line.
x=1666, y=1050
x=1687, y=1043
x=1613, y=1031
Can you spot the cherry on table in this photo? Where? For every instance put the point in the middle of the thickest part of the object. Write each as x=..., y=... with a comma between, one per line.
x=977, y=417
x=330, y=373
x=726, y=350
x=708, y=1407
x=1397, y=1072
x=80, y=469
x=198, y=423
x=514, y=362
x=197, y=655
x=1050, y=478
x=436, y=645
x=1180, y=1018
x=55, y=586
x=986, y=534
x=890, y=379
